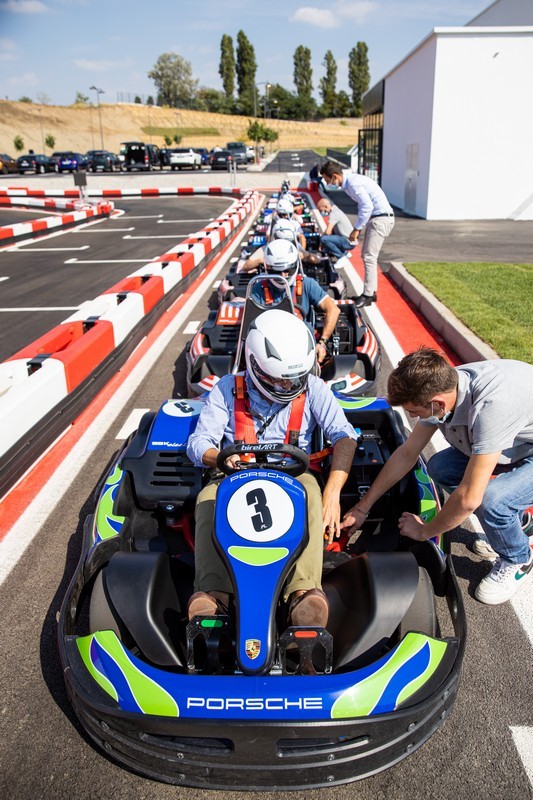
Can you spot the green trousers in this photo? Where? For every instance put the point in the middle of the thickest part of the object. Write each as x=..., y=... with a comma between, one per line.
x=211, y=574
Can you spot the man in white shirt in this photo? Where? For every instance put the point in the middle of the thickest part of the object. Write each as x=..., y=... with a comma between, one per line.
x=375, y=214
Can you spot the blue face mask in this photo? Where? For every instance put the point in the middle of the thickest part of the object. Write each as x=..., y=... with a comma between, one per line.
x=433, y=420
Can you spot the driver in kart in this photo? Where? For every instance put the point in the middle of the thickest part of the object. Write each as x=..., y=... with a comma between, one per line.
x=281, y=258
x=283, y=402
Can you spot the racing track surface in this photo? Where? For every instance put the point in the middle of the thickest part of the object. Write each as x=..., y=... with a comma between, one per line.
x=43, y=753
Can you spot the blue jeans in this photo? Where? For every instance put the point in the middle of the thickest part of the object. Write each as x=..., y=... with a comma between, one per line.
x=337, y=245
x=506, y=497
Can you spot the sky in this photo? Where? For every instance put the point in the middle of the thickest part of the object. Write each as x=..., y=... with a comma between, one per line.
x=52, y=49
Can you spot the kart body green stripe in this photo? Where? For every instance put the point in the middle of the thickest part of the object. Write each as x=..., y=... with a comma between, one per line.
x=360, y=699
x=149, y=696
x=107, y=523
x=355, y=402
x=258, y=556
x=84, y=646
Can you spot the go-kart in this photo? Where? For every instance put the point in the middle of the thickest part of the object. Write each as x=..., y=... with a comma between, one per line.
x=241, y=700
x=350, y=368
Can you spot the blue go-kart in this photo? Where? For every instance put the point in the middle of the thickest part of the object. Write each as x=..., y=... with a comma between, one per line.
x=243, y=700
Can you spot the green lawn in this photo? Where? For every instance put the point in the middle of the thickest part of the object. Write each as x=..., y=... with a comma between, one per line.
x=494, y=300
x=157, y=131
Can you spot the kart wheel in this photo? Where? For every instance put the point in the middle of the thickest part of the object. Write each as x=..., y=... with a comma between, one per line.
x=100, y=615
x=421, y=615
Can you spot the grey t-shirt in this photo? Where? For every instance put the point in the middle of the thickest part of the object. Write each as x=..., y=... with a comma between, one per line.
x=494, y=410
x=341, y=224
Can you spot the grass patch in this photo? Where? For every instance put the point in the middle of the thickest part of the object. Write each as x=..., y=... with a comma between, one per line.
x=156, y=131
x=493, y=300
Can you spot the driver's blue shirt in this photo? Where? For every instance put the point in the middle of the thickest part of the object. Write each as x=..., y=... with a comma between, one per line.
x=216, y=424
x=312, y=295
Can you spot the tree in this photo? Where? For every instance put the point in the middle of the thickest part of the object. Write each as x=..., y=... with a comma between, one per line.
x=246, y=68
x=327, y=85
x=176, y=138
x=172, y=75
x=167, y=139
x=150, y=101
x=303, y=74
x=50, y=141
x=358, y=76
x=81, y=98
x=43, y=98
x=137, y=99
x=343, y=105
x=226, y=69
x=25, y=99
x=212, y=100
x=18, y=143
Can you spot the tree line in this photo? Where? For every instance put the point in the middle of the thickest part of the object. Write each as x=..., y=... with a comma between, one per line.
x=176, y=86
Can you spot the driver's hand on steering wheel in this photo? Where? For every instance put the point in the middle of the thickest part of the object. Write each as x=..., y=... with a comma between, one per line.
x=234, y=461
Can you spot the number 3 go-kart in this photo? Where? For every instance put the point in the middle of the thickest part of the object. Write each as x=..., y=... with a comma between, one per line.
x=243, y=700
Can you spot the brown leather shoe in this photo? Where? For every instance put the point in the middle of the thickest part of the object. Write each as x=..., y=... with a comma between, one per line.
x=309, y=610
x=202, y=604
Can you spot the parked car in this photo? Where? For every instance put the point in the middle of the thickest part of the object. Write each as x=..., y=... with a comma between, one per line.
x=138, y=155
x=250, y=153
x=204, y=153
x=221, y=159
x=55, y=157
x=7, y=164
x=32, y=162
x=103, y=160
x=182, y=157
x=238, y=151
x=72, y=162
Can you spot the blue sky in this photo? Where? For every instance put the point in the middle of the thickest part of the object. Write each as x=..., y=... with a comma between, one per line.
x=59, y=47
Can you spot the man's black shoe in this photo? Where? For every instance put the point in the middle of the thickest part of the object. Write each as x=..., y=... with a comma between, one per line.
x=365, y=300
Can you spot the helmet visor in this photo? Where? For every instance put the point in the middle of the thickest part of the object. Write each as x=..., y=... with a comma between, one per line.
x=284, y=388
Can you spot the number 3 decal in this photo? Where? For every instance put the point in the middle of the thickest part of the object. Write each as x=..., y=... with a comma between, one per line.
x=262, y=520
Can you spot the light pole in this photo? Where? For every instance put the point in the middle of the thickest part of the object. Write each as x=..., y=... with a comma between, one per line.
x=98, y=93
x=267, y=86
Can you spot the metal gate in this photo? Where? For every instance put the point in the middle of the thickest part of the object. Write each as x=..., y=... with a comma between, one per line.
x=370, y=152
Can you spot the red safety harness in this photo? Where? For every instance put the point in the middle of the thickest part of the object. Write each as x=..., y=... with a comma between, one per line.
x=297, y=292
x=244, y=423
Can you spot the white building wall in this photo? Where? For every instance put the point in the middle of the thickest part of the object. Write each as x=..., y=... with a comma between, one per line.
x=481, y=154
x=463, y=96
x=407, y=122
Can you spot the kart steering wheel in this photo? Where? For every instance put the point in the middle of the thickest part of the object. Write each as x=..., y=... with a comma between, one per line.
x=263, y=458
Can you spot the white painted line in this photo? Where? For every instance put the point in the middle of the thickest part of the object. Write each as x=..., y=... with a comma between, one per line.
x=107, y=261
x=523, y=739
x=132, y=423
x=216, y=284
x=168, y=236
x=169, y=221
x=103, y=230
x=47, y=249
x=3, y=279
x=30, y=522
x=192, y=326
x=522, y=604
x=146, y=216
x=40, y=308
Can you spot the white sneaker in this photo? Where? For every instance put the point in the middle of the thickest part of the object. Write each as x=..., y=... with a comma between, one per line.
x=482, y=548
x=503, y=581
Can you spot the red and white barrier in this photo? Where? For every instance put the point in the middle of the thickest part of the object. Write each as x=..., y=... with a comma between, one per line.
x=41, y=375
x=11, y=232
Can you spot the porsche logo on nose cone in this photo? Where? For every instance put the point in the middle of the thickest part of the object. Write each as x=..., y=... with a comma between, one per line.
x=253, y=648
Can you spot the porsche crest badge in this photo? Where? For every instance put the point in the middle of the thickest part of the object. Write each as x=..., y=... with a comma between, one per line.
x=253, y=648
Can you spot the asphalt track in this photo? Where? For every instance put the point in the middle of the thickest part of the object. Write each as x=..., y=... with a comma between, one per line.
x=43, y=752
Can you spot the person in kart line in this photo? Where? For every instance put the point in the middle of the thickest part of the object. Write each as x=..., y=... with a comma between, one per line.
x=283, y=402
x=281, y=258
x=485, y=412
x=375, y=214
x=282, y=229
x=336, y=240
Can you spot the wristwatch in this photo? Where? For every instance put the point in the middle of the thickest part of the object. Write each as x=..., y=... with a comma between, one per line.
x=322, y=341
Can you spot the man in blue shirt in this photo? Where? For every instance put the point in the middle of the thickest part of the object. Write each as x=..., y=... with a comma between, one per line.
x=280, y=356
x=375, y=214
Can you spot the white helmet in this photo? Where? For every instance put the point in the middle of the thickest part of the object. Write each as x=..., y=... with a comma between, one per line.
x=285, y=207
x=284, y=229
x=280, y=354
x=281, y=256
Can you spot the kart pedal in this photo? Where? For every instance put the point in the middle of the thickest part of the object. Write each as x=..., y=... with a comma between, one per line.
x=306, y=651
x=210, y=646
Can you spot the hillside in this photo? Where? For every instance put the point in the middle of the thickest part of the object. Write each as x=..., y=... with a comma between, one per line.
x=78, y=127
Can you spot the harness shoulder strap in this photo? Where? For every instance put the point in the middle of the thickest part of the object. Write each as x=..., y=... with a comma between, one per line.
x=295, y=420
x=244, y=424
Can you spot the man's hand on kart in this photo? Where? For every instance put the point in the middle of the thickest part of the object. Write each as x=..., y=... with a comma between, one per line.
x=354, y=519
x=354, y=237
x=321, y=352
x=210, y=458
x=413, y=527
x=331, y=514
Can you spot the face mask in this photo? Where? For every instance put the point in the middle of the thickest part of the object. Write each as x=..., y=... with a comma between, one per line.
x=433, y=420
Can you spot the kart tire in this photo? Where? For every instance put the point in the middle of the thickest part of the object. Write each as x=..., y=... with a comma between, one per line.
x=421, y=615
x=100, y=615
